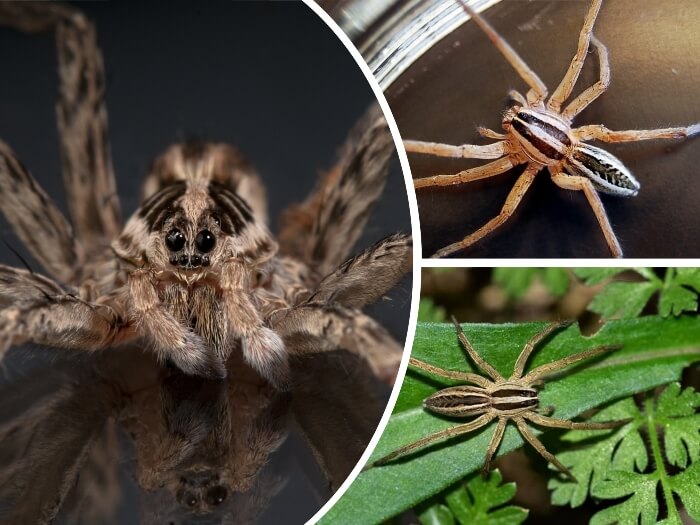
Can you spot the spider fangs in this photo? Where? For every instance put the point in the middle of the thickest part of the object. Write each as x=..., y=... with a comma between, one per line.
x=512, y=399
x=540, y=135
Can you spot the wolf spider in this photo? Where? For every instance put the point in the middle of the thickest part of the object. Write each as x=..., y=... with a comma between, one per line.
x=539, y=134
x=512, y=399
x=195, y=273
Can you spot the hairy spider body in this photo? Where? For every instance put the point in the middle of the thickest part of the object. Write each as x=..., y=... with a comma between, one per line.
x=539, y=134
x=499, y=398
x=195, y=273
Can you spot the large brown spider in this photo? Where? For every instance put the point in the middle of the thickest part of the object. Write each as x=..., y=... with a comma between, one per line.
x=538, y=133
x=512, y=399
x=195, y=273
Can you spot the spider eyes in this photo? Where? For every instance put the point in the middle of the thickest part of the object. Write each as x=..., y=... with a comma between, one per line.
x=175, y=240
x=205, y=241
x=216, y=496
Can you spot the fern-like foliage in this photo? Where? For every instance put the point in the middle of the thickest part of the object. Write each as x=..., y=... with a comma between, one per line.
x=678, y=291
x=658, y=452
x=475, y=501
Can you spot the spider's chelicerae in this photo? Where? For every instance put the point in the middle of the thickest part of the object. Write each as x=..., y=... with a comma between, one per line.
x=539, y=133
x=496, y=397
x=195, y=272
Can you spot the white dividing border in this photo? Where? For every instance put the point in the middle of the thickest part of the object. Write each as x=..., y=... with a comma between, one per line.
x=415, y=230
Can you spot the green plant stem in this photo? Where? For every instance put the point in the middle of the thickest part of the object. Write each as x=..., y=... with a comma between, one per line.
x=659, y=462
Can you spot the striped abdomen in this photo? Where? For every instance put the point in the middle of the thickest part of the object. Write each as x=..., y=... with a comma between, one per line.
x=464, y=401
x=544, y=137
x=605, y=171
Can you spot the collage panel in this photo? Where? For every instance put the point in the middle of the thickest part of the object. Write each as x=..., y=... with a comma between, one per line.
x=545, y=128
x=542, y=395
x=202, y=321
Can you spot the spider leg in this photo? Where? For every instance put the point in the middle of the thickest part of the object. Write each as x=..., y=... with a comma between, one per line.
x=589, y=95
x=480, y=172
x=539, y=447
x=567, y=83
x=322, y=230
x=530, y=346
x=381, y=266
x=545, y=421
x=450, y=374
x=576, y=183
x=451, y=432
x=493, y=446
x=37, y=221
x=463, y=151
x=263, y=349
x=547, y=369
x=491, y=134
x=37, y=309
x=478, y=360
x=600, y=132
x=512, y=201
x=538, y=91
x=82, y=117
x=323, y=327
x=170, y=339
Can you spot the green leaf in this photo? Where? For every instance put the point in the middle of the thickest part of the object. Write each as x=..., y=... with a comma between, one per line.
x=675, y=300
x=517, y=281
x=596, y=275
x=615, y=467
x=655, y=352
x=688, y=277
x=557, y=280
x=478, y=502
x=429, y=312
x=623, y=300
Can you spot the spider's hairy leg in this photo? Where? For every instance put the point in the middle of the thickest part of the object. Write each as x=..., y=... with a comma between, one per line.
x=546, y=421
x=34, y=308
x=263, y=349
x=169, y=338
x=478, y=360
x=540, y=448
x=463, y=151
x=600, y=132
x=549, y=368
x=37, y=221
x=82, y=116
x=366, y=277
x=450, y=374
x=512, y=201
x=538, y=90
x=322, y=230
x=577, y=183
x=493, y=446
x=450, y=432
x=532, y=343
x=480, y=172
x=312, y=328
x=567, y=83
x=589, y=95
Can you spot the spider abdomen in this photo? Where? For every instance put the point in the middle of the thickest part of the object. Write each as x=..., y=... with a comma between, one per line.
x=464, y=401
x=544, y=137
x=604, y=170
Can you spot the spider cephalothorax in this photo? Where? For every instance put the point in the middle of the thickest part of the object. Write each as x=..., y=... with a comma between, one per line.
x=195, y=273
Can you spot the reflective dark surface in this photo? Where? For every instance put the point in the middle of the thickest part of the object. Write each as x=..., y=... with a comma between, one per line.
x=463, y=83
x=117, y=438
